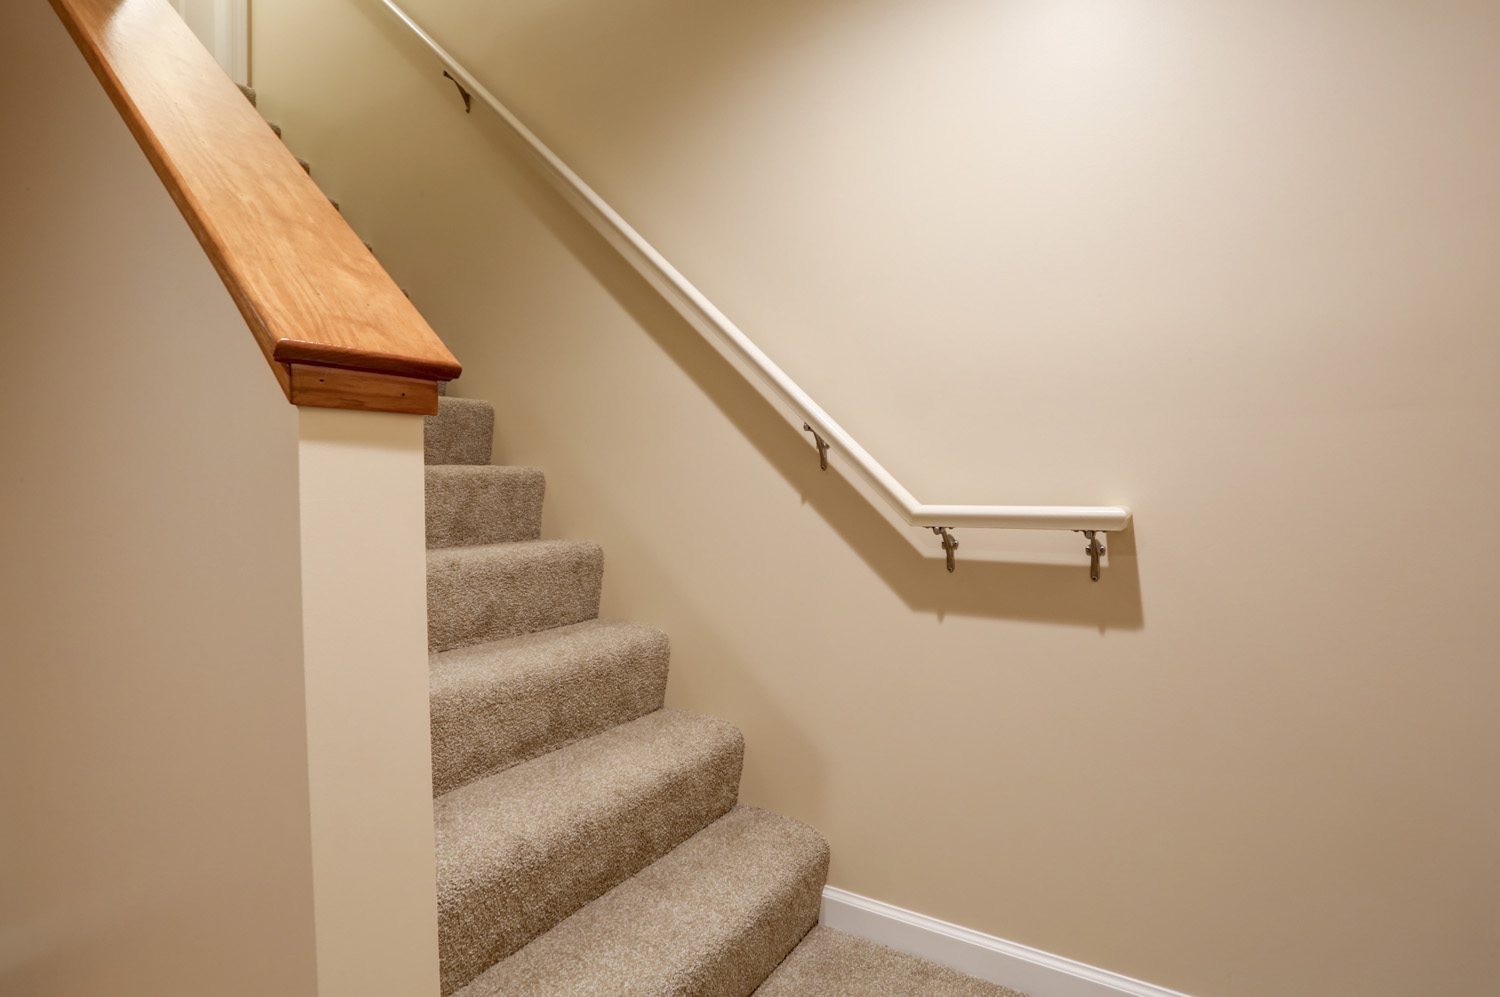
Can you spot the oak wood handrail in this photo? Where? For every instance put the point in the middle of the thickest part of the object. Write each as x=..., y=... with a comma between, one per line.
x=335, y=328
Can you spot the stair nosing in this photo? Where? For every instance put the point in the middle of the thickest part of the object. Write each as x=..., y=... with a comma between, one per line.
x=539, y=636
x=699, y=719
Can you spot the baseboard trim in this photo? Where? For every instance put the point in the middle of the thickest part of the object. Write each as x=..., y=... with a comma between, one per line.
x=1010, y=964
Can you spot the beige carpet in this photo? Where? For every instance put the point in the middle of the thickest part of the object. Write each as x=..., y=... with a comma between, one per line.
x=710, y=919
x=482, y=504
x=492, y=591
x=461, y=433
x=830, y=963
x=495, y=705
x=589, y=842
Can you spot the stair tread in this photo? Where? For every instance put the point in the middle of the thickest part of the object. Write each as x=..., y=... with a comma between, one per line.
x=504, y=702
x=711, y=919
x=470, y=504
x=462, y=432
x=489, y=592
x=830, y=963
x=519, y=851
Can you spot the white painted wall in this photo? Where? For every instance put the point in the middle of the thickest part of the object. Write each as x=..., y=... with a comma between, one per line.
x=1231, y=264
x=214, y=772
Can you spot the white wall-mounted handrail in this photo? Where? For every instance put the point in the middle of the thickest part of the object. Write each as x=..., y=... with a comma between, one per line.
x=719, y=330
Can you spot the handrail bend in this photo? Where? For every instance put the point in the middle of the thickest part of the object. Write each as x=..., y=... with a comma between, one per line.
x=714, y=325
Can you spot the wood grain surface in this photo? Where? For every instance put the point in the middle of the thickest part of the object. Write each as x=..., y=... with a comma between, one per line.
x=306, y=285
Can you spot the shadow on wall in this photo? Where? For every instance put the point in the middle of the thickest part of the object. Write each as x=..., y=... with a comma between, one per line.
x=783, y=763
x=1044, y=593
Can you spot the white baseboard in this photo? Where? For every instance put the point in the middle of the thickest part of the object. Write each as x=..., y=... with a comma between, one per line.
x=1019, y=967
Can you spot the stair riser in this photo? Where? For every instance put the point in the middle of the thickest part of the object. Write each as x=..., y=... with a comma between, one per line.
x=463, y=432
x=492, y=712
x=495, y=595
x=483, y=505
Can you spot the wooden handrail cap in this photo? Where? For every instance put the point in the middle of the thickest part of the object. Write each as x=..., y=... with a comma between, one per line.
x=306, y=285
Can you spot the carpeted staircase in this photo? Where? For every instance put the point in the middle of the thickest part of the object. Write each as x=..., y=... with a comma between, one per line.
x=589, y=840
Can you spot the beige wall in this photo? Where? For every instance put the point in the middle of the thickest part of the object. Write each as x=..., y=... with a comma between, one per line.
x=153, y=756
x=214, y=771
x=364, y=603
x=1231, y=264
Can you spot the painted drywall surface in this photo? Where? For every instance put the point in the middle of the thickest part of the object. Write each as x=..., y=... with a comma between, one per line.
x=153, y=760
x=223, y=28
x=364, y=597
x=1230, y=265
